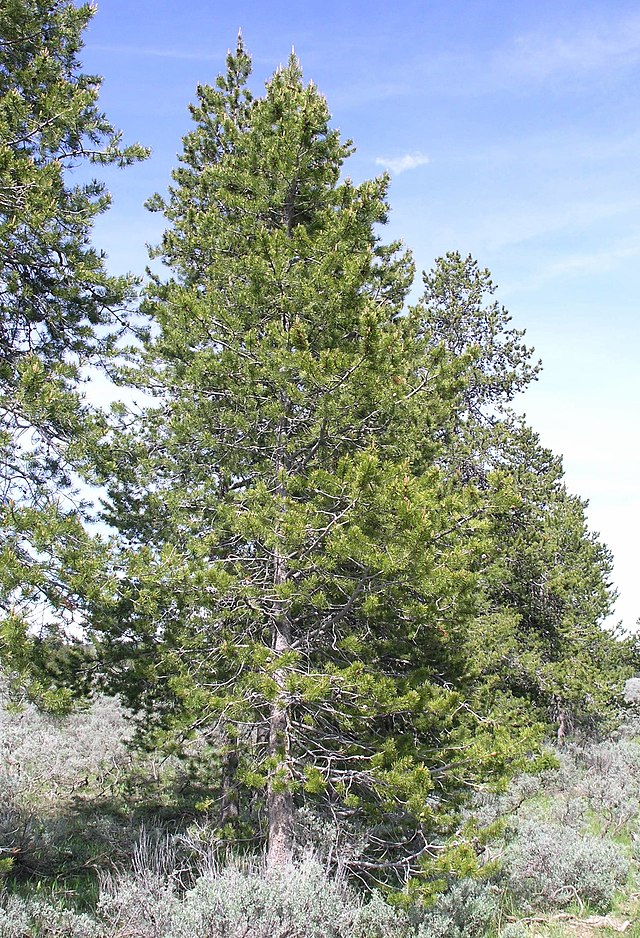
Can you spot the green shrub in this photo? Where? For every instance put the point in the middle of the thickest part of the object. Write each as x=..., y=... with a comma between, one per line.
x=551, y=867
x=467, y=910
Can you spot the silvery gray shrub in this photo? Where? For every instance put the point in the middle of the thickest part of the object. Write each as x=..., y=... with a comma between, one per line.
x=301, y=902
x=22, y=918
x=514, y=930
x=552, y=867
x=144, y=906
x=631, y=691
x=467, y=910
x=611, y=782
x=44, y=757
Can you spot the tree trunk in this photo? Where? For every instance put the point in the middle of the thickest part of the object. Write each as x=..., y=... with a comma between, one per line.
x=562, y=715
x=279, y=797
x=280, y=851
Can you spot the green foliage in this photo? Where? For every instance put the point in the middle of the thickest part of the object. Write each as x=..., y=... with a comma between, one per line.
x=54, y=287
x=547, y=584
x=298, y=569
x=459, y=311
x=554, y=578
x=346, y=582
x=58, y=305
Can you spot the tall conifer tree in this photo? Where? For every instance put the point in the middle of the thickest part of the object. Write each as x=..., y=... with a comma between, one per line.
x=297, y=573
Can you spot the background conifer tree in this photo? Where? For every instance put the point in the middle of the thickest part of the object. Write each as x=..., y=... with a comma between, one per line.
x=59, y=308
x=548, y=587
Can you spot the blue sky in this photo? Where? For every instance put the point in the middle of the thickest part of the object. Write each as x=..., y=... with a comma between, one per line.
x=512, y=132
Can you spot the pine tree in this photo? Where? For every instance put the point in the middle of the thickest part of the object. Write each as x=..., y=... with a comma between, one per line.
x=58, y=306
x=548, y=587
x=552, y=583
x=296, y=572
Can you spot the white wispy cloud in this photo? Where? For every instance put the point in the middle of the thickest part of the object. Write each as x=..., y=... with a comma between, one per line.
x=591, y=46
x=582, y=48
x=607, y=258
x=400, y=164
x=518, y=221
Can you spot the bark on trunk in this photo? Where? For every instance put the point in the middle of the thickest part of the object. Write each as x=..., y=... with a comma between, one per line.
x=279, y=797
x=562, y=715
x=280, y=852
x=562, y=727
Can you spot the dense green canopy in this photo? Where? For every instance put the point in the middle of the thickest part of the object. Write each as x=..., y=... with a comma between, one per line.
x=59, y=308
x=320, y=522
